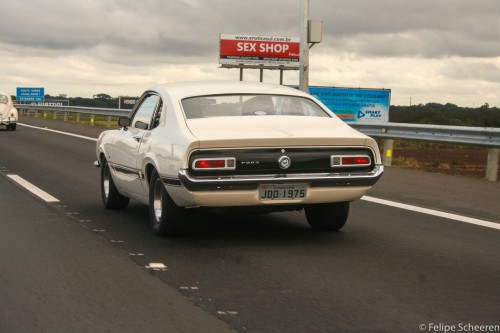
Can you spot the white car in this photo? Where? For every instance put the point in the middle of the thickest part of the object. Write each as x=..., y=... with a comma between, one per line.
x=235, y=145
x=8, y=113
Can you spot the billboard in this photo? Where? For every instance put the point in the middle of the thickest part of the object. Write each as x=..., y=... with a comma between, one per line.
x=127, y=102
x=30, y=94
x=355, y=105
x=259, y=50
x=51, y=102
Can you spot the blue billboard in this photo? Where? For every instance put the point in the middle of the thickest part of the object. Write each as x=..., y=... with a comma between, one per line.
x=358, y=105
x=30, y=94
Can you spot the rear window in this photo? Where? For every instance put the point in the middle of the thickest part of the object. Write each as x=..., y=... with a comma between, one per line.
x=250, y=105
x=4, y=99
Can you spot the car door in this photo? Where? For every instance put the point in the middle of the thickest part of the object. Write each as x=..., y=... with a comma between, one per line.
x=128, y=142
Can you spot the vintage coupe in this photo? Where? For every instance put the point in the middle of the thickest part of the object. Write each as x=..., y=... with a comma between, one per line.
x=8, y=113
x=235, y=145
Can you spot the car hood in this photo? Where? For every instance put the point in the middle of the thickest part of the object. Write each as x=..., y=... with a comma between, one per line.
x=273, y=131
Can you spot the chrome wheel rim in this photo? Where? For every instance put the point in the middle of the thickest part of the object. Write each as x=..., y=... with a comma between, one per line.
x=157, y=201
x=105, y=181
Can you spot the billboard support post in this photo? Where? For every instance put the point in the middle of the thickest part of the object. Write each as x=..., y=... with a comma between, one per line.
x=304, y=47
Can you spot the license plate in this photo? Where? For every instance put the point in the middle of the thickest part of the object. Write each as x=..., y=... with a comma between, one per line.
x=282, y=192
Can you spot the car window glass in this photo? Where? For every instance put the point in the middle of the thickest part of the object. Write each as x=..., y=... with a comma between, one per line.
x=143, y=115
x=157, y=115
x=250, y=105
x=4, y=99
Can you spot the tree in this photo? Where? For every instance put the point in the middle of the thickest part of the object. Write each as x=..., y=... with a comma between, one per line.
x=102, y=96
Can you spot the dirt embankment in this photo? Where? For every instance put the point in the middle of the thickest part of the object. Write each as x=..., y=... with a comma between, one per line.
x=447, y=159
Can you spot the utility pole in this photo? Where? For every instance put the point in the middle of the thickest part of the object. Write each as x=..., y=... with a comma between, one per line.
x=304, y=47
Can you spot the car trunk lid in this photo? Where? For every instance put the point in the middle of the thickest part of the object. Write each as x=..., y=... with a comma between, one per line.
x=273, y=131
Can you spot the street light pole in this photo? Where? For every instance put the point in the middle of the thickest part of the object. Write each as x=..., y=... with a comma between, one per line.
x=304, y=47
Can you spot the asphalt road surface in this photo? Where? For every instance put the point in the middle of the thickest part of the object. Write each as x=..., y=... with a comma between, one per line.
x=72, y=266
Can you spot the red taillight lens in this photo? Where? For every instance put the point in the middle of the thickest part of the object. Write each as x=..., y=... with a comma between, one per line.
x=202, y=164
x=339, y=161
x=357, y=160
x=209, y=164
x=214, y=164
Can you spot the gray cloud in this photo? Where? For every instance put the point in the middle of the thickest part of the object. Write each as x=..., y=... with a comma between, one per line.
x=425, y=28
x=365, y=42
x=480, y=70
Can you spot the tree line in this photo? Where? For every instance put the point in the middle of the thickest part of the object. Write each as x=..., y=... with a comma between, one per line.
x=446, y=114
x=97, y=101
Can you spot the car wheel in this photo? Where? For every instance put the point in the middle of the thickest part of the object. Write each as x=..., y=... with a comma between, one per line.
x=327, y=217
x=111, y=198
x=13, y=127
x=165, y=216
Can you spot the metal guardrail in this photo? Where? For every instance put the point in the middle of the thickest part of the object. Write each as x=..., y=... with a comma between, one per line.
x=75, y=109
x=477, y=136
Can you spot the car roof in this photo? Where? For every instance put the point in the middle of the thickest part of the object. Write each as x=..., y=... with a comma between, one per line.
x=180, y=90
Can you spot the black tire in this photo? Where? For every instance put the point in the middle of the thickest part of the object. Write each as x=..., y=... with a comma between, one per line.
x=111, y=198
x=165, y=216
x=327, y=217
x=13, y=127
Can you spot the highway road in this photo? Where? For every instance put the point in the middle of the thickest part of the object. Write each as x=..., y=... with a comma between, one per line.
x=69, y=265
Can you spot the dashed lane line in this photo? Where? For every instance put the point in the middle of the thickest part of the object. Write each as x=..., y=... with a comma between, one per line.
x=33, y=189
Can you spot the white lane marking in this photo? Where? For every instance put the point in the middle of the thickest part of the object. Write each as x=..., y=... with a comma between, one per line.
x=60, y=132
x=156, y=266
x=33, y=189
x=433, y=212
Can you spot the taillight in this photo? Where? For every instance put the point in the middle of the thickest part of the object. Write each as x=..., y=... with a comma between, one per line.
x=225, y=163
x=342, y=161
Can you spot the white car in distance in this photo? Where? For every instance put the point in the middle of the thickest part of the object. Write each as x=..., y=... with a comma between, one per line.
x=235, y=145
x=8, y=113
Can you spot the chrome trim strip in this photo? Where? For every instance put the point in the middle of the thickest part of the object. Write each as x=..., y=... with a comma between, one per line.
x=316, y=180
x=127, y=170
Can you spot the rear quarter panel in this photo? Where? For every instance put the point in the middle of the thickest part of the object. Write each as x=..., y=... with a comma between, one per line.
x=172, y=142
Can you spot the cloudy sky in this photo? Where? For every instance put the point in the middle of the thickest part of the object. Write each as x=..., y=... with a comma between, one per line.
x=423, y=50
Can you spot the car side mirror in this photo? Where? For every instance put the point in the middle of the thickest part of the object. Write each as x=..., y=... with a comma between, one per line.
x=124, y=122
x=141, y=125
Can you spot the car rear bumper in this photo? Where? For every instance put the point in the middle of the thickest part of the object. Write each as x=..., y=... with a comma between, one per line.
x=244, y=190
x=7, y=120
